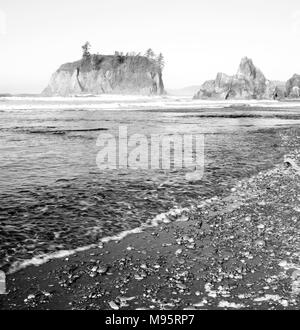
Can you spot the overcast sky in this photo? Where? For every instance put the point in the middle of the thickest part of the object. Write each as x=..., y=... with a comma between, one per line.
x=197, y=37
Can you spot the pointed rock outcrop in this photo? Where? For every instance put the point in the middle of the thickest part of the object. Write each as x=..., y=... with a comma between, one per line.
x=293, y=87
x=248, y=83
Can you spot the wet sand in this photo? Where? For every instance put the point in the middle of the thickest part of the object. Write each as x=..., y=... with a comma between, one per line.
x=237, y=252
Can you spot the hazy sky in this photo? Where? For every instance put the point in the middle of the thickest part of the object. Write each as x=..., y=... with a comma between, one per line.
x=197, y=37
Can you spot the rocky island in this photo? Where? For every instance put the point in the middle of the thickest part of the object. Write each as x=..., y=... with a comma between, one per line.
x=248, y=83
x=108, y=74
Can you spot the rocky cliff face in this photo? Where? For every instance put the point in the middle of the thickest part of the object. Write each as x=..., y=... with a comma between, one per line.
x=114, y=74
x=248, y=83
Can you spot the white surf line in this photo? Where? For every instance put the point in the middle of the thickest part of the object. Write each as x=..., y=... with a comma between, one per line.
x=179, y=214
x=43, y=258
x=134, y=103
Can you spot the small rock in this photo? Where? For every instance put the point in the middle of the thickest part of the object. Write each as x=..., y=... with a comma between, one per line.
x=183, y=218
x=260, y=243
x=138, y=277
x=113, y=305
x=102, y=270
x=181, y=286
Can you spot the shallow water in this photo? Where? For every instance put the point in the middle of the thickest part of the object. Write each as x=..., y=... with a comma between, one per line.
x=54, y=197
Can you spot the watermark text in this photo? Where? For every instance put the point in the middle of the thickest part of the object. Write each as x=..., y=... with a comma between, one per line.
x=154, y=152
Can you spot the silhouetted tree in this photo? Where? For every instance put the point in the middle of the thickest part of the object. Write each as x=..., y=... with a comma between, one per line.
x=160, y=60
x=150, y=54
x=118, y=58
x=86, y=50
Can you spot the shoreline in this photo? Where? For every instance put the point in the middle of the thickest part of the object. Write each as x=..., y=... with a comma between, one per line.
x=238, y=252
x=41, y=259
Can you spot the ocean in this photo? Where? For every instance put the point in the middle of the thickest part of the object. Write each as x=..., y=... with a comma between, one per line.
x=54, y=197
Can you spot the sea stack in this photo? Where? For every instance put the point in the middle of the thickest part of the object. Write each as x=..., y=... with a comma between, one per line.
x=293, y=87
x=248, y=83
x=107, y=74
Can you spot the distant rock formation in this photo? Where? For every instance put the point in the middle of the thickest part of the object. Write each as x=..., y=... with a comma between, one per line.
x=248, y=83
x=293, y=87
x=107, y=74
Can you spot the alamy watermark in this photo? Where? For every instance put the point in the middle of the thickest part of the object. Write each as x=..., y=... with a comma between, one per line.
x=3, y=23
x=154, y=152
